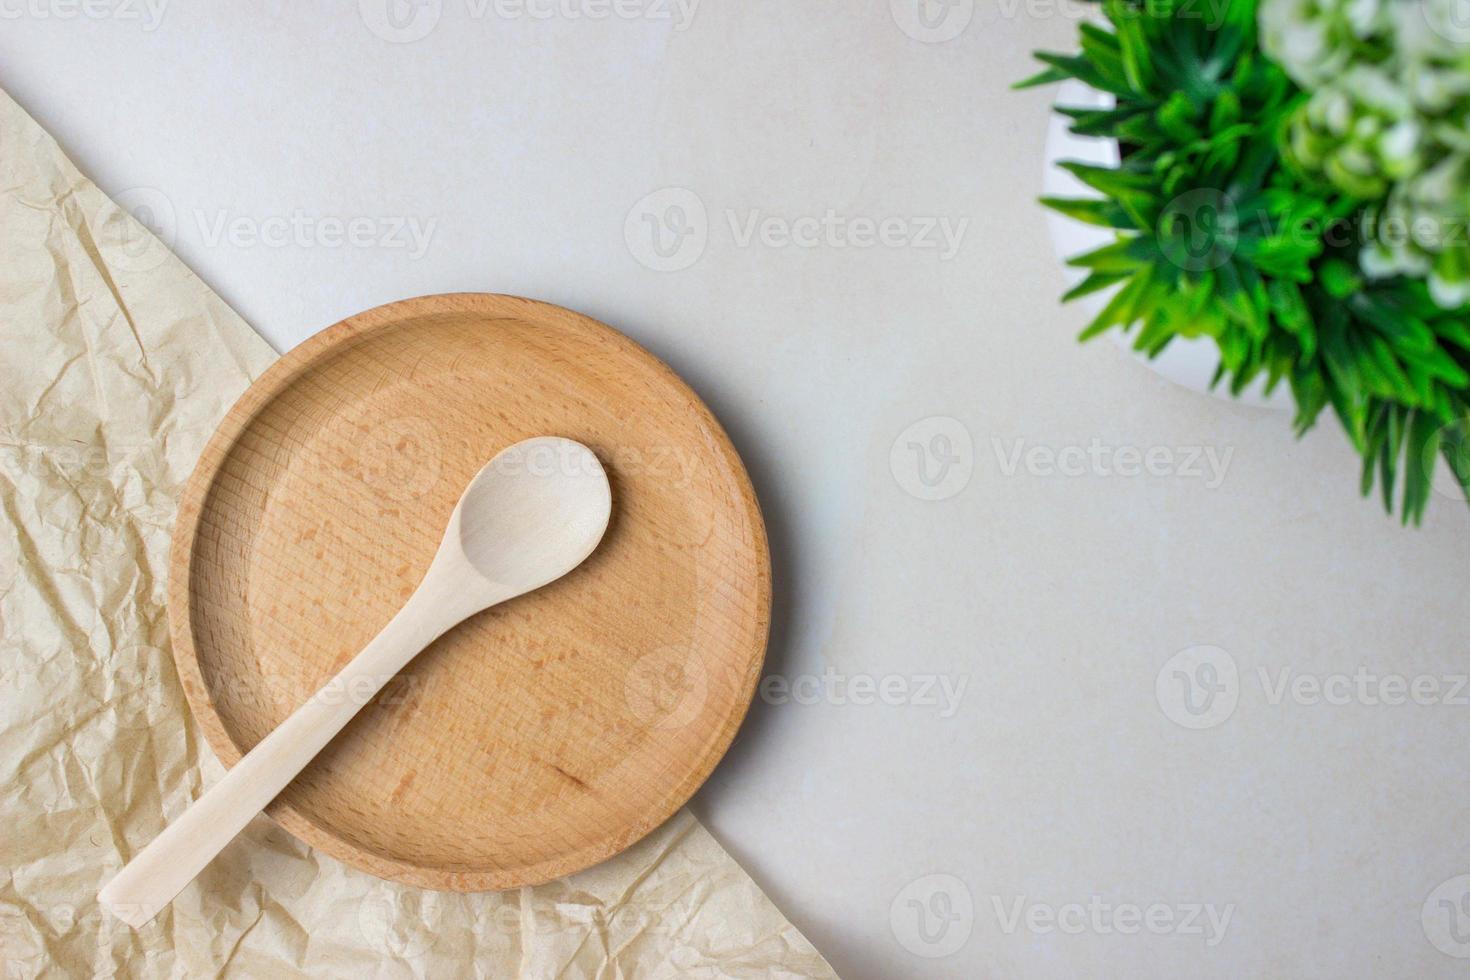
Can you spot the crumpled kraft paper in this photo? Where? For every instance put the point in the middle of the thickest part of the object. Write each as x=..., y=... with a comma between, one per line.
x=116, y=362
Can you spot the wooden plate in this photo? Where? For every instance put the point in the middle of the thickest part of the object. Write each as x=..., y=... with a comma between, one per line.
x=539, y=737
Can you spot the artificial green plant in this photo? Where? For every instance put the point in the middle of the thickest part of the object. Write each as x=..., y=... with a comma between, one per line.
x=1221, y=234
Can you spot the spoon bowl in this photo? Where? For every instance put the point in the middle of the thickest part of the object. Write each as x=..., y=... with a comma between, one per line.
x=535, y=512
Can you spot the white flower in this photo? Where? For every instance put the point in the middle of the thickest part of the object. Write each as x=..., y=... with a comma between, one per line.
x=1295, y=34
x=1365, y=16
x=1398, y=148
x=1434, y=89
x=1448, y=295
x=1387, y=121
x=1374, y=88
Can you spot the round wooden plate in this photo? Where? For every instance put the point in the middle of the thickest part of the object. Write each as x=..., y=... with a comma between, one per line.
x=541, y=736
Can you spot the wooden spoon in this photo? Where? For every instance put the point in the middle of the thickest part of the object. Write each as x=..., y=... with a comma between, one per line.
x=534, y=513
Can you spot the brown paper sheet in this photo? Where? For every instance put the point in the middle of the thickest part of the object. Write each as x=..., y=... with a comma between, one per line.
x=116, y=362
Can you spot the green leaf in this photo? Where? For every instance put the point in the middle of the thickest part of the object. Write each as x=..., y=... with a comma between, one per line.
x=1119, y=310
x=1117, y=257
x=1388, y=456
x=1423, y=452
x=1375, y=437
x=1339, y=279
x=1094, y=282
x=1133, y=47
x=1309, y=390
x=1104, y=212
x=1047, y=76
x=1176, y=118
x=1081, y=69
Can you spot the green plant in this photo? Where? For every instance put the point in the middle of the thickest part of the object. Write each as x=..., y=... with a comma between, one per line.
x=1388, y=121
x=1218, y=235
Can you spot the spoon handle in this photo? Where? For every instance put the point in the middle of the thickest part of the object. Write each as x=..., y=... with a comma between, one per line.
x=160, y=871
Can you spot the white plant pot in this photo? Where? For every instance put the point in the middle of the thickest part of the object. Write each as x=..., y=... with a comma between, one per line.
x=1187, y=361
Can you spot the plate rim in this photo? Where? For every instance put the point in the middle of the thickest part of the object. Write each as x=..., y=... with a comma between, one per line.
x=278, y=378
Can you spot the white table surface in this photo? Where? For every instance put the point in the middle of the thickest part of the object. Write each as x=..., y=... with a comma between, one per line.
x=524, y=145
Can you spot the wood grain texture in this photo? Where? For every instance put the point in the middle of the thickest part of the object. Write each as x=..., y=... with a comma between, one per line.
x=536, y=738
